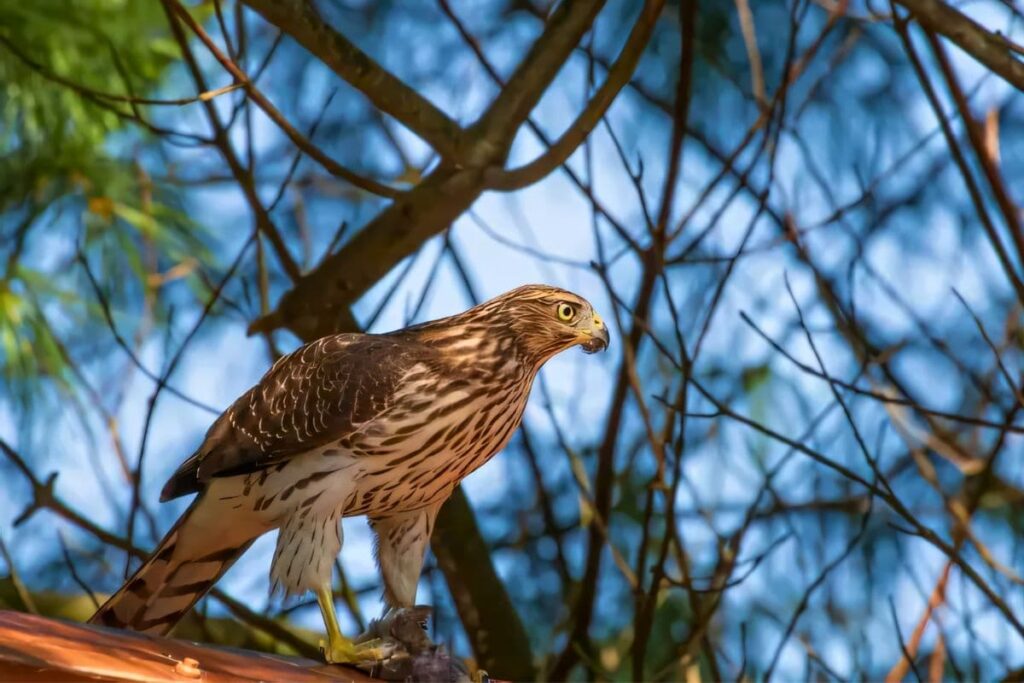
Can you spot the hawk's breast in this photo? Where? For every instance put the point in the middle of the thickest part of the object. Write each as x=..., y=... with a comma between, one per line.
x=418, y=452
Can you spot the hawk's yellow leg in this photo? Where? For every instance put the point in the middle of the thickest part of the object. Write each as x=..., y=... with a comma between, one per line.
x=339, y=649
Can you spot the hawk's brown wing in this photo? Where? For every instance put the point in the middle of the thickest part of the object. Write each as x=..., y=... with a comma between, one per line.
x=314, y=395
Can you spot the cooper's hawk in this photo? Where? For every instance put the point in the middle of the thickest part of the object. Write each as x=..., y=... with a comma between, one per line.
x=352, y=424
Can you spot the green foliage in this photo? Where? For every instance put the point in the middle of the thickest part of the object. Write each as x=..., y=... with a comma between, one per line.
x=52, y=137
x=70, y=178
x=754, y=377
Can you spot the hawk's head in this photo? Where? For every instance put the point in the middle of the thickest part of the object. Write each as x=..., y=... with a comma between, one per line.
x=546, y=320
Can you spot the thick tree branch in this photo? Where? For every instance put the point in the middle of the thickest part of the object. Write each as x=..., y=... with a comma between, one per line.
x=991, y=49
x=300, y=20
x=493, y=133
x=319, y=302
x=618, y=76
x=36, y=648
x=1007, y=206
x=500, y=644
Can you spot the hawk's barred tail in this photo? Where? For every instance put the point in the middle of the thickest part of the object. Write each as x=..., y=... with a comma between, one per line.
x=177, y=574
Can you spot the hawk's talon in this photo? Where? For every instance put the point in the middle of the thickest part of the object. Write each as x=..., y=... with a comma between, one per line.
x=345, y=651
x=338, y=649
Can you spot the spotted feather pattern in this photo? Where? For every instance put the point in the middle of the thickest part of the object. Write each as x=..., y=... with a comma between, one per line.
x=314, y=395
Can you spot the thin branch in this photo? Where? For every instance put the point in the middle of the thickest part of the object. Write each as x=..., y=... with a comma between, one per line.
x=242, y=176
x=879, y=396
x=938, y=596
x=74, y=572
x=1011, y=212
x=806, y=598
x=1009, y=267
x=297, y=138
x=91, y=93
x=907, y=657
x=121, y=342
x=19, y=586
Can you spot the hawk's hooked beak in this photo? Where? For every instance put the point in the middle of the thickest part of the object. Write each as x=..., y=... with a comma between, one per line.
x=594, y=337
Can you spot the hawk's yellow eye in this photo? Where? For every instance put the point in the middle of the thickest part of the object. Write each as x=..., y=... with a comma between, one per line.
x=566, y=312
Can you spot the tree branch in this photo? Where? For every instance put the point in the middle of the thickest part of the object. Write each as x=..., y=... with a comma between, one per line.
x=36, y=648
x=221, y=140
x=297, y=138
x=991, y=49
x=618, y=76
x=969, y=183
x=500, y=644
x=319, y=302
x=493, y=133
x=300, y=20
x=1007, y=206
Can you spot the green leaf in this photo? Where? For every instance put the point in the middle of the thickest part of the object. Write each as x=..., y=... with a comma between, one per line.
x=754, y=377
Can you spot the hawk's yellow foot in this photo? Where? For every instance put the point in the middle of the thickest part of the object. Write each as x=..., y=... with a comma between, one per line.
x=338, y=649
x=341, y=650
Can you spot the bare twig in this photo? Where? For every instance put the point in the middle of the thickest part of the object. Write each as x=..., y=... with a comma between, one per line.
x=297, y=138
x=19, y=586
x=301, y=21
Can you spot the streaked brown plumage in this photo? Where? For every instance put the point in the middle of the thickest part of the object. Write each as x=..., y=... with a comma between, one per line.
x=353, y=424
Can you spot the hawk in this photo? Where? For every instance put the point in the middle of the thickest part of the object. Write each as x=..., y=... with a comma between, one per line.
x=381, y=425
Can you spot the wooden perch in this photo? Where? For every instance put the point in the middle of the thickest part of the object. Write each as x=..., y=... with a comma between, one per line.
x=35, y=648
